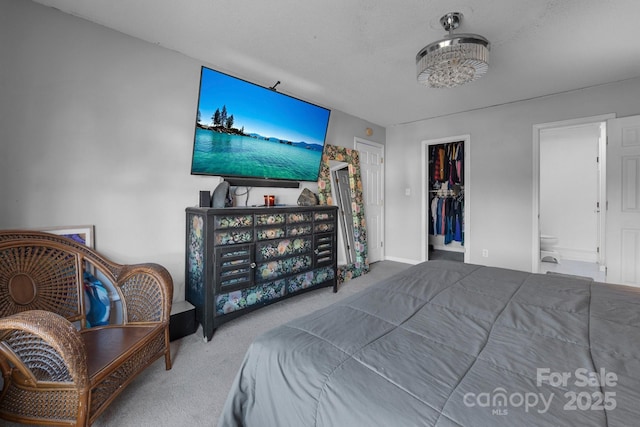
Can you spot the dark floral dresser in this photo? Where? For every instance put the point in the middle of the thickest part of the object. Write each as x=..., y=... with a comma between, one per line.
x=240, y=259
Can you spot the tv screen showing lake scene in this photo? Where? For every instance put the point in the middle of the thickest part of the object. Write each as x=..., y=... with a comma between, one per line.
x=246, y=130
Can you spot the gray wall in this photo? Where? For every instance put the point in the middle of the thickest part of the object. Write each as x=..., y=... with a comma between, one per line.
x=501, y=152
x=96, y=127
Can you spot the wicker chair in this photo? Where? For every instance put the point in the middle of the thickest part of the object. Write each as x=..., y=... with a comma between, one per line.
x=56, y=371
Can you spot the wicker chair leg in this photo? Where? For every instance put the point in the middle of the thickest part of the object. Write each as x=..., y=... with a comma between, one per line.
x=83, y=410
x=167, y=351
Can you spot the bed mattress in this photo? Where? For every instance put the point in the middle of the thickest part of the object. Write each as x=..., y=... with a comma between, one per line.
x=451, y=344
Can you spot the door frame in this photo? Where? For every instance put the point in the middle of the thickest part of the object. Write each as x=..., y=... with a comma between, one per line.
x=466, y=139
x=357, y=142
x=535, y=217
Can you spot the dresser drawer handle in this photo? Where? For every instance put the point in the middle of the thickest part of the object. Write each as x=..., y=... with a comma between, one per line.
x=253, y=265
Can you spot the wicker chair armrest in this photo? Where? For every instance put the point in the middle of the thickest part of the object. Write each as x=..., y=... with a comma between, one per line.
x=147, y=290
x=43, y=347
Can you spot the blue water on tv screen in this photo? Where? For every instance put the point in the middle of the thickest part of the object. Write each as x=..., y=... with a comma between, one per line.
x=246, y=130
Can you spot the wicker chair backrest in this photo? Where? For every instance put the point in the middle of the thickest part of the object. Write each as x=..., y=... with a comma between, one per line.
x=41, y=275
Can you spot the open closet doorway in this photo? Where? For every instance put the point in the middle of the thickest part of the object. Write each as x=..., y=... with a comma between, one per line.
x=570, y=197
x=445, y=198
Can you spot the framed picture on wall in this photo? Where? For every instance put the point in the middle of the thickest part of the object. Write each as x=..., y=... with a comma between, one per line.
x=80, y=233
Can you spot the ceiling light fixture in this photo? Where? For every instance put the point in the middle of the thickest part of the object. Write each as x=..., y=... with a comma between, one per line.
x=454, y=60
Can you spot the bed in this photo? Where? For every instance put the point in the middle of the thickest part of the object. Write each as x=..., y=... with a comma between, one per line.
x=450, y=344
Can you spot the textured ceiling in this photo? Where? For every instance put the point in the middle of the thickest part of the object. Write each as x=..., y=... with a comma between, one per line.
x=358, y=56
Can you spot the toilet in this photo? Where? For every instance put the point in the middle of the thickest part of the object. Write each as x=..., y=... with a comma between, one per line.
x=547, y=251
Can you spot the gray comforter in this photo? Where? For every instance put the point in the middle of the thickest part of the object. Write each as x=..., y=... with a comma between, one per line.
x=451, y=344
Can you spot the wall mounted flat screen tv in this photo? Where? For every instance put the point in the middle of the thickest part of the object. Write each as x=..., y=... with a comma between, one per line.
x=252, y=135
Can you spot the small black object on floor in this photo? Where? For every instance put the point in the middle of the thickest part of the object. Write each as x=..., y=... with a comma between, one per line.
x=182, y=321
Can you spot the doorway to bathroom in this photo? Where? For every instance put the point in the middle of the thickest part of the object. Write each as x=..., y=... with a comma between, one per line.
x=570, y=197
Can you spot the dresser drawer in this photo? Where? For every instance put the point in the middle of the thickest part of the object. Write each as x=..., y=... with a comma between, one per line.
x=298, y=217
x=322, y=227
x=283, y=267
x=232, y=221
x=309, y=279
x=235, y=266
x=270, y=233
x=271, y=218
x=299, y=230
x=324, y=216
x=233, y=237
x=324, y=249
x=274, y=249
x=245, y=298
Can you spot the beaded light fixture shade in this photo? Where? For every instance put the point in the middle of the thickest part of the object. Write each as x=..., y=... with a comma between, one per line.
x=455, y=60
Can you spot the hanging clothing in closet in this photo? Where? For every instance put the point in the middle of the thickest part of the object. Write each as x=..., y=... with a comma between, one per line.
x=446, y=190
x=447, y=217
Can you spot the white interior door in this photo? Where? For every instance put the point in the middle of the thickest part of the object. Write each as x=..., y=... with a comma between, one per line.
x=372, y=173
x=623, y=191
